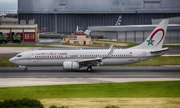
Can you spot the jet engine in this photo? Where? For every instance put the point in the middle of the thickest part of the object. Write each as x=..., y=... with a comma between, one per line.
x=71, y=65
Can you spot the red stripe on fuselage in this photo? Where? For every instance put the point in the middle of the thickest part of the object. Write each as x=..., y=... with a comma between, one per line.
x=84, y=58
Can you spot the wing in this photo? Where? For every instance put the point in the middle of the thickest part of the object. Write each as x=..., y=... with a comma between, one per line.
x=96, y=61
x=90, y=62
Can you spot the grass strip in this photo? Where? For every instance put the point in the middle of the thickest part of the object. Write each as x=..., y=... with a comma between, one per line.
x=108, y=90
x=120, y=102
x=171, y=46
x=131, y=44
x=4, y=62
x=159, y=61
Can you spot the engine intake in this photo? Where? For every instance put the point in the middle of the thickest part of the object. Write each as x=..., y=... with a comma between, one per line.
x=71, y=65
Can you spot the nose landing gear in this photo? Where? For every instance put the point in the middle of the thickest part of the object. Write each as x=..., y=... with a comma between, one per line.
x=25, y=68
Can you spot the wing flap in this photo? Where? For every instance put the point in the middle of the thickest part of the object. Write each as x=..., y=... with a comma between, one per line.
x=89, y=60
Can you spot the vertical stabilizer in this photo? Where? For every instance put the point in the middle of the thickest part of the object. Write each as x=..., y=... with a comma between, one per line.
x=156, y=39
x=118, y=23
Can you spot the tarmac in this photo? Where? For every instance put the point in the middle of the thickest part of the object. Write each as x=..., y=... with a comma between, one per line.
x=38, y=76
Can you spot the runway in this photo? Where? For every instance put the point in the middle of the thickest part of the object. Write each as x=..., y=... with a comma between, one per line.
x=98, y=72
x=14, y=76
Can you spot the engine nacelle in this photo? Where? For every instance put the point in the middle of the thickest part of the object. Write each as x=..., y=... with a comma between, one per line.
x=71, y=65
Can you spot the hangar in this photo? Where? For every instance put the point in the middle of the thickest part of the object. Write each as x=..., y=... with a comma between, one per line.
x=63, y=16
x=137, y=33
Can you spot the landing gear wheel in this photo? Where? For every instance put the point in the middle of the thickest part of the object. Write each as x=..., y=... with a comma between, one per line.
x=89, y=69
x=25, y=69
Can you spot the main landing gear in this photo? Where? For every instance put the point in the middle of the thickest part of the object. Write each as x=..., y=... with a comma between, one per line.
x=89, y=68
x=25, y=69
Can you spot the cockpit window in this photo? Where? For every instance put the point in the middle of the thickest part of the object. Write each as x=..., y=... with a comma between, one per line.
x=19, y=55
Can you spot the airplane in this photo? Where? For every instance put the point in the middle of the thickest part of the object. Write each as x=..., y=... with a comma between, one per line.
x=118, y=23
x=75, y=59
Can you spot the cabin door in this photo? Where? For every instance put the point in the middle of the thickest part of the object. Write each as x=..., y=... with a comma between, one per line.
x=139, y=55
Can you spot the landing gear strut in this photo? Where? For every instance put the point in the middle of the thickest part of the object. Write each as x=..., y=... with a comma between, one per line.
x=89, y=68
x=25, y=69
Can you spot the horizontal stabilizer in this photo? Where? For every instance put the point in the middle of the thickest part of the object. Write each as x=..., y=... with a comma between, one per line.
x=161, y=50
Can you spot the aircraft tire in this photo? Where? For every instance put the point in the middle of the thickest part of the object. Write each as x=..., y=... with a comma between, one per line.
x=89, y=69
x=25, y=69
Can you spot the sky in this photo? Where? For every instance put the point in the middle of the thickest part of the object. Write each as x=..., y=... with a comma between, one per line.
x=8, y=5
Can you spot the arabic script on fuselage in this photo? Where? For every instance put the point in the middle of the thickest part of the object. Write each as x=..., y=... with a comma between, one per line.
x=51, y=53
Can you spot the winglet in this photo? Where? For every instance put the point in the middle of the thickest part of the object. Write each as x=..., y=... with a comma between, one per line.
x=111, y=46
x=110, y=52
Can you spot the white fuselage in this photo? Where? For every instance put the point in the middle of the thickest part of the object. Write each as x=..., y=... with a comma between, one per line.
x=57, y=57
x=75, y=59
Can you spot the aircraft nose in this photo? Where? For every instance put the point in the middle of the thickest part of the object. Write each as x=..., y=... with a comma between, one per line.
x=11, y=60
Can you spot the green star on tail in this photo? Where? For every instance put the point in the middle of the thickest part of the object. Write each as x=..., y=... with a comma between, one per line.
x=150, y=41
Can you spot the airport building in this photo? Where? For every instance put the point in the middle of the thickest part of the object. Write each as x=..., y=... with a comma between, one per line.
x=63, y=16
x=137, y=33
x=28, y=33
